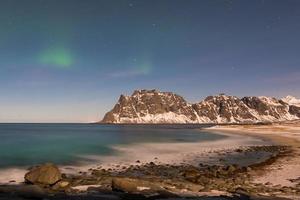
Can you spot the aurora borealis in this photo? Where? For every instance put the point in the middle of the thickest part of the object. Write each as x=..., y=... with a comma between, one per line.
x=59, y=57
x=69, y=60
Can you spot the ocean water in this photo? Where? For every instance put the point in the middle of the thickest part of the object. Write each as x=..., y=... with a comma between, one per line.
x=64, y=144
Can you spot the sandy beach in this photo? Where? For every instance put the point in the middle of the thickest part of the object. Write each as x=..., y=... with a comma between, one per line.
x=286, y=170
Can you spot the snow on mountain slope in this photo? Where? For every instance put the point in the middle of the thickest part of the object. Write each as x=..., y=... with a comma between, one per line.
x=153, y=106
x=291, y=100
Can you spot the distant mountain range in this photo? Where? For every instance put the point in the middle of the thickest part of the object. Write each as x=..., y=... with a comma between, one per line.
x=152, y=106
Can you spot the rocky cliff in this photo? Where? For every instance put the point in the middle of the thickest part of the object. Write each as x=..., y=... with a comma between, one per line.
x=152, y=106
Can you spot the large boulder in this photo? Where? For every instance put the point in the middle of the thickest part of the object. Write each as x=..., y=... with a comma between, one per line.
x=47, y=174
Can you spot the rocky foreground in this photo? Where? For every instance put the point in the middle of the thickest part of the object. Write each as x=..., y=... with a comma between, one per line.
x=156, y=181
x=153, y=106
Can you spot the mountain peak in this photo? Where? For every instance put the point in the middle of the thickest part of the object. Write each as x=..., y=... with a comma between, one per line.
x=153, y=106
x=144, y=91
x=291, y=100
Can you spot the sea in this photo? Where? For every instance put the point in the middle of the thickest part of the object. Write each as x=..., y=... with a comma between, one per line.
x=25, y=144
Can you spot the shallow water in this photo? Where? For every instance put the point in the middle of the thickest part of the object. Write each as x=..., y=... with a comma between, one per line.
x=63, y=144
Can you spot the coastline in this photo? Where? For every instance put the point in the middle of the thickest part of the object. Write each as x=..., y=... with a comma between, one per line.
x=281, y=132
x=186, y=174
x=284, y=171
x=175, y=153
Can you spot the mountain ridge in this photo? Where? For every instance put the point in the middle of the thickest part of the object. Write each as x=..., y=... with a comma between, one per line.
x=156, y=107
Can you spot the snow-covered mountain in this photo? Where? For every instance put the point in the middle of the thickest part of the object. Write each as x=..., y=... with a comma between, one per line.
x=291, y=100
x=152, y=106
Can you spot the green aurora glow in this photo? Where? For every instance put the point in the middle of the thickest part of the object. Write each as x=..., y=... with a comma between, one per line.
x=59, y=57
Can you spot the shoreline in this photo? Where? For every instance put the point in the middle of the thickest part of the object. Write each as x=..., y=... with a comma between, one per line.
x=218, y=175
x=182, y=180
x=285, y=169
x=174, y=153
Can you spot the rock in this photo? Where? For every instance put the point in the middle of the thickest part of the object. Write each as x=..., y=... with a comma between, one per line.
x=191, y=174
x=63, y=184
x=101, y=172
x=60, y=185
x=202, y=180
x=131, y=185
x=268, y=183
x=220, y=182
x=63, y=175
x=86, y=181
x=239, y=150
x=47, y=174
x=239, y=181
x=242, y=191
x=286, y=189
x=230, y=169
x=248, y=169
x=222, y=172
x=195, y=188
x=151, y=163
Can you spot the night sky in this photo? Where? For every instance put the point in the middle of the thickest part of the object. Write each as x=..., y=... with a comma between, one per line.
x=69, y=60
